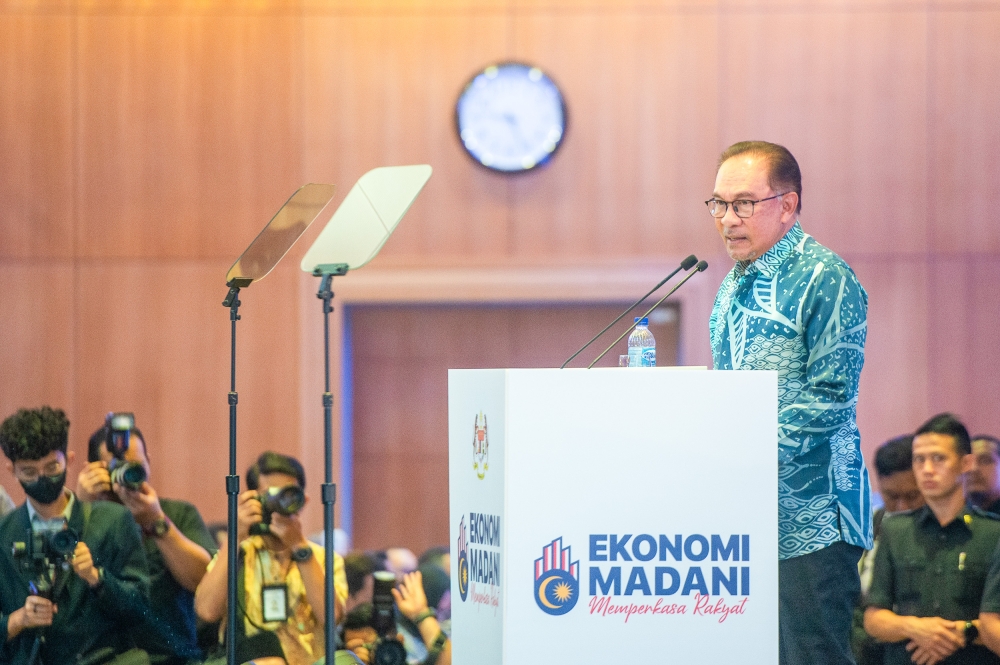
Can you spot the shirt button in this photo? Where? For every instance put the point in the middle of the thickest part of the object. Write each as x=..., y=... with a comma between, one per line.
x=937, y=604
x=940, y=570
x=941, y=537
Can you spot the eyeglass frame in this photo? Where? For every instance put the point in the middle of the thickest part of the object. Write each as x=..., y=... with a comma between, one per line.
x=731, y=203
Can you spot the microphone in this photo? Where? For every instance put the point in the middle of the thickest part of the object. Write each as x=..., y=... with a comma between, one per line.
x=685, y=264
x=697, y=269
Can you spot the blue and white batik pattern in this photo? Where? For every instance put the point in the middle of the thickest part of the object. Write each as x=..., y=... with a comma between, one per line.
x=800, y=310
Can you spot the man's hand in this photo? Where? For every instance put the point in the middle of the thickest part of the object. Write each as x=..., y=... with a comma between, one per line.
x=83, y=565
x=143, y=503
x=248, y=513
x=933, y=639
x=410, y=597
x=94, y=482
x=37, y=612
x=362, y=642
x=288, y=530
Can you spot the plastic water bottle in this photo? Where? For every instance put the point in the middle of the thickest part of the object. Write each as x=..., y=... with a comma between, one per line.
x=641, y=346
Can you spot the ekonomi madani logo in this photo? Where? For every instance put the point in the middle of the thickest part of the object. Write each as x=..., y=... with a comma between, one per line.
x=463, y=560
x=557, y=579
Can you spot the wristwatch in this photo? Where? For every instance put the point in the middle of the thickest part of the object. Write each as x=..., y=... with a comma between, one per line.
x=971, y=633
x=159, y=528
x=302, y=554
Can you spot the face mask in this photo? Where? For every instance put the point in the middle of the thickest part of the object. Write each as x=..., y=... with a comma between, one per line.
x=46, y=489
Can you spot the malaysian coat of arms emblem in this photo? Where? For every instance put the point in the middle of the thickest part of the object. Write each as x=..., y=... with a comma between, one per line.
x=480, y=447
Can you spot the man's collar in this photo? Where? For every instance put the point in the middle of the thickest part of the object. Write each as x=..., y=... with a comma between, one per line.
x=769, y=262
x=925, y=516
x=34, y=516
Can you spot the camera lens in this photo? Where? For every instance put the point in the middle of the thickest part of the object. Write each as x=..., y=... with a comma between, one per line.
x=63, y=543
x=128, y=474
x=286, y=500
x=389, y=652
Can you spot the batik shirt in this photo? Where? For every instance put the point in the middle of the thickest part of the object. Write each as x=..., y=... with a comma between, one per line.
x=800, y=310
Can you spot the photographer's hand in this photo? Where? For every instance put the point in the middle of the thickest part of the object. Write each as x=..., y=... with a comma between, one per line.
x=248, y=513
x=410, y=597
x=288, y=530
x=143, y=503
x=37, y=612
x=94, y=482
x=83, y=565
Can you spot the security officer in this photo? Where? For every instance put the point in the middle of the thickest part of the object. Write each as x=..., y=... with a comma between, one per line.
x=931, y=564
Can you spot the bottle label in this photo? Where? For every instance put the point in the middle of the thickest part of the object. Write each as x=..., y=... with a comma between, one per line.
x=642, y=356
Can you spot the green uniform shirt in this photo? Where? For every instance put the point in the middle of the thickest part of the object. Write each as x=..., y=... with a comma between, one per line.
x=923, y=569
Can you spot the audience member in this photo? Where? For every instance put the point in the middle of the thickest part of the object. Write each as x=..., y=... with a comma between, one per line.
x=175, y=539
x=931, y=563
x=281, y=578
x=898, y=487
x=84, y=600
x=358, y=569
x=983, y=482
x=418, y=628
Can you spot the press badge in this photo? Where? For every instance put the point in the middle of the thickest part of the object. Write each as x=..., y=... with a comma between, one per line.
x=274, y=602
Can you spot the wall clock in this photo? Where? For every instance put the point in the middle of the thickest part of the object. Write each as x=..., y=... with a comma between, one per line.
x=511, y=117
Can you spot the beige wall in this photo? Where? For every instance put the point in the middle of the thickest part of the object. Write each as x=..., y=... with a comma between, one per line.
x=143, y=144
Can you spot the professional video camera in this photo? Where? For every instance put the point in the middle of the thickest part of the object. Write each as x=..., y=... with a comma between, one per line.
x=286, y=500
x=130, y=475
x=46, y=558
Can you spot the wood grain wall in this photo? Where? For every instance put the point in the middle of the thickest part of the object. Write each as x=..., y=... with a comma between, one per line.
x=144, y=143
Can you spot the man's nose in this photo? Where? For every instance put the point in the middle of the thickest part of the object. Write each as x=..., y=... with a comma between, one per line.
x=731, y=218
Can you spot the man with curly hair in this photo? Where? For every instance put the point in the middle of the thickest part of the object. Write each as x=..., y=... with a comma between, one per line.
x=60, y=602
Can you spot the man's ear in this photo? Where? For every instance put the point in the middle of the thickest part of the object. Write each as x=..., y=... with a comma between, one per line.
x=789, y=203
x=70, y=456
x=10, y=466
x=968, y=461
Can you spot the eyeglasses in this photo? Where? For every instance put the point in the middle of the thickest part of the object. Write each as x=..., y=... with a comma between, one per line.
x=31, y=474
x=742, y=207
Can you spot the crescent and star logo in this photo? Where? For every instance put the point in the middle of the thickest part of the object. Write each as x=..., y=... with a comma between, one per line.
x=480, y=447
x=557, y=579
x=463, y=561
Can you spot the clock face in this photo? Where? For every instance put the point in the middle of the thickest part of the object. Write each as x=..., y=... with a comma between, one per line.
x=511, y=117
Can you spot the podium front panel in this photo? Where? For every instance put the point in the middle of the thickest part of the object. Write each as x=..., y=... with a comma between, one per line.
x=638, y=513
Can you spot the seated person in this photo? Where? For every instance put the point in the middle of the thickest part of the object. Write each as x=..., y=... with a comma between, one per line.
x=85, y=603
x=898, y=487
x=983, y=481
x=417, y=626
x=174, y=536
x=280, y=584
x=930, y=567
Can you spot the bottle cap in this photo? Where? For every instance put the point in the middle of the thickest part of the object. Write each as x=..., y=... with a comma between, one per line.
x=641, y=322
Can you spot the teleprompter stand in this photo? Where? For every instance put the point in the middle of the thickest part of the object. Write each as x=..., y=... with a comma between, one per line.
x=327, y=272
x=270, y=245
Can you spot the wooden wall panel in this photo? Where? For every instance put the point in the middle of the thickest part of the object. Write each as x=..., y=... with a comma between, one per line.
x=641, y=139
x=965, y=88
x=893, y=397
x=382, y=91
x=963, y=332
x=190, y=131
x=36, y=342
x=36, y=120
x=851, y=106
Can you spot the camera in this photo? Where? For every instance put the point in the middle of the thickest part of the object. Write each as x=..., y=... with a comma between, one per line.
x=46, y=559
x=130, y=475
x=286, y=500
x=388, y=650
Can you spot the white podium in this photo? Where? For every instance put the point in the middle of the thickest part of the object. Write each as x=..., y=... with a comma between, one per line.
x=613, y=516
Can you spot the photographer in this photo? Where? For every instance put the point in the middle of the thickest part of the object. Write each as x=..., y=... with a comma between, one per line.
x=175, y=538
x=418, y=628
x=280, y=580
x=64, y=600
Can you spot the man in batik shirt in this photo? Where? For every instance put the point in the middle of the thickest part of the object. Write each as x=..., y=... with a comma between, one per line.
x=793, y=306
